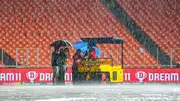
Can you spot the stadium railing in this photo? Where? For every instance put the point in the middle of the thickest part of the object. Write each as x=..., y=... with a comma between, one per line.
x=174, y=54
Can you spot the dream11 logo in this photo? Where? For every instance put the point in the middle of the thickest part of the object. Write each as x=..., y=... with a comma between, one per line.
x=140, y=75
x=31, y=75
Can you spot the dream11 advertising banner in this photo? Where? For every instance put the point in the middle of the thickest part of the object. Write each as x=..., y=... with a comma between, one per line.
x=151, y=75
x=38, y=76
x=25, y=76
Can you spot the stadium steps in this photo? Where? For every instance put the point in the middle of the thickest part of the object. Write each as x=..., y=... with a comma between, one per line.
x=7, y=60
x=135, y=30
x=160, y=23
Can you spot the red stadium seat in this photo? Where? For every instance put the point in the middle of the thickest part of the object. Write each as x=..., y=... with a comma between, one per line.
x=160, y=24
x=71, y=21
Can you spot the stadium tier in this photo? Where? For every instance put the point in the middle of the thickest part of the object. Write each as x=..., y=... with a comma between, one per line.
x=159, y=19
x=28, y=27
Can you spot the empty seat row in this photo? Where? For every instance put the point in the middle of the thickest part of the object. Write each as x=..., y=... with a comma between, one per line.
x=71, y=21
x=158, y=22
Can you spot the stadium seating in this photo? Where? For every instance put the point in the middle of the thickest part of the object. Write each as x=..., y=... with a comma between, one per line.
x=159, y=19
x=32, y=25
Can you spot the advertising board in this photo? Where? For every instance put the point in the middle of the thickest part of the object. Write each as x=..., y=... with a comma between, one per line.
x=151, y=75
x=39, y=76
x=30, y=75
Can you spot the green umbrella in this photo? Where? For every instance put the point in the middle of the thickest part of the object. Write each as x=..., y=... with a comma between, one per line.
x=60, y=43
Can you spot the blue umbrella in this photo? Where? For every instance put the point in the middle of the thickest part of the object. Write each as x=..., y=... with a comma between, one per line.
x=83, y=46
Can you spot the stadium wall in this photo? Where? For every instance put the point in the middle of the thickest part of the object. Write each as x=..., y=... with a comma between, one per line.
x=40, y=76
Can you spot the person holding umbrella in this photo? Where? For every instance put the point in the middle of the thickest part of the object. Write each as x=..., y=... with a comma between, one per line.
x=55, y=67
x=90, y=50
x=63, y=54
x=61, y=62
x=77, y=59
